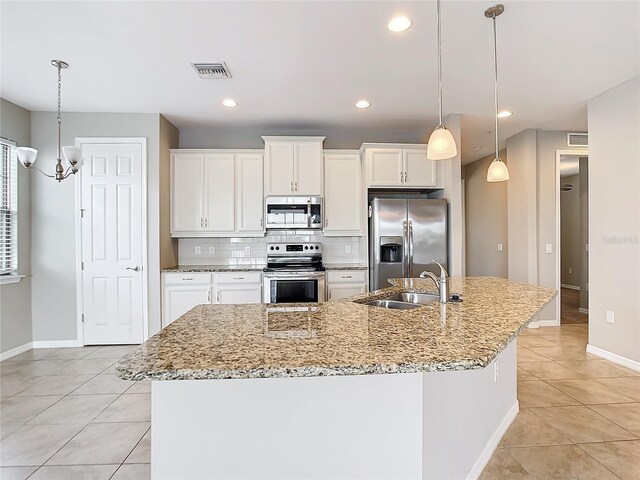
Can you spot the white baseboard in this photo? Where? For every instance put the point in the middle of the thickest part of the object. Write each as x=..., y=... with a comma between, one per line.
x=493, y=443
x=548, y=323
x=57, y=343
x=584, y=310
x=614, y=357
x=570, y=287
x=16, y=351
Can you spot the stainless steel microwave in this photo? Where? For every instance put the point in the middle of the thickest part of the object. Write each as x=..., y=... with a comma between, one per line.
x=294, y=213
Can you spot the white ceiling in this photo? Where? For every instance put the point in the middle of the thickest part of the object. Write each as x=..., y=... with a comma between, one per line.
x=304, y=64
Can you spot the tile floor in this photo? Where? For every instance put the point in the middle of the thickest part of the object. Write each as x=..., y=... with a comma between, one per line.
x=579, y=415
x=65, y=415
x=570, y=307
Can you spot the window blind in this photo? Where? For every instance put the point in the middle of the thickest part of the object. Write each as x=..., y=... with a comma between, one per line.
x=9, y=209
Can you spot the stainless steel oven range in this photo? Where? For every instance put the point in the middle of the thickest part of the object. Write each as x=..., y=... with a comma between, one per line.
x=294, y=273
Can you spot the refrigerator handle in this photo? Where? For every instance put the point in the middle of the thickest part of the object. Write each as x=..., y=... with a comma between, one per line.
x=410, y=247
x=405, y=249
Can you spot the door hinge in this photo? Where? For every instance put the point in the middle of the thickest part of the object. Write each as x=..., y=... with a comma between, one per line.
x=81, y=265
x=82, y=213
x=83, y=318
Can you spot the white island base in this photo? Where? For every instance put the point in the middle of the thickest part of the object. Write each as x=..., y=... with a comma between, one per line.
x=439, y=425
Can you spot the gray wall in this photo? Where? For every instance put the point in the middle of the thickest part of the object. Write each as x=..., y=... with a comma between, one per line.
x=570, y=233
x=53, y=218
x=584, y=232
x=15, y=299
x=614, y=219
x=486, y=220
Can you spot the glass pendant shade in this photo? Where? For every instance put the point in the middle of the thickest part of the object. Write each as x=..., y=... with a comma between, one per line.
x=498, y=171
x=73, y=156
x=27, y=156
x=441, y=145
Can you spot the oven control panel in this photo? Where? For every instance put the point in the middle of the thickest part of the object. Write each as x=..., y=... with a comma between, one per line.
x=293, y=248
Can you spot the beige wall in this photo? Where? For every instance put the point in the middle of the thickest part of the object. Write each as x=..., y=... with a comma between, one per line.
x=53, y=219
x=486, y=220
x=168, y=245
x=614, y=219
x=571, y=250
x=15, y=299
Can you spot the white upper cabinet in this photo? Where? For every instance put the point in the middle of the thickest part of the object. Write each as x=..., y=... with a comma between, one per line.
x=400, y=166
x=220, y=195
x=216, y=193
x=293, y=165
x=249, y=179
x=343, y=201
x=187, y=207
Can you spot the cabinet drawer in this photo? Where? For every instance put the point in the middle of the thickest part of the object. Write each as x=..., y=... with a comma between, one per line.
x=187, y=278
x=346, y=276
x=234, y=278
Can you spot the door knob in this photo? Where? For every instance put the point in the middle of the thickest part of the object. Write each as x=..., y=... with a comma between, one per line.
x=135, y=269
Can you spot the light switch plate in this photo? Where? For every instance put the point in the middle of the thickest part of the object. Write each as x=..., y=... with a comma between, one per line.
x=247, y=250
x=549, y=248
x=197, y=250
x=212, y=250
x=347, y=248
x=610, y=316
x=500, y=247
x=571, y=270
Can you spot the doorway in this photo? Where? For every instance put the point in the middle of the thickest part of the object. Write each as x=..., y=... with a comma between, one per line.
x=112, y=239
x=573, y=232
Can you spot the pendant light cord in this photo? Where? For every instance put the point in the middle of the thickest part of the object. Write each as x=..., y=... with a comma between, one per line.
x=59, y=112
x=495, y=62
x=439, y=63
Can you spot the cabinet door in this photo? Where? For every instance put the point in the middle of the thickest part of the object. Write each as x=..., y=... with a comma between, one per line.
x=421, y=172
x=278, y=165
x=342, y=194
x=250, y=198
x=308, y=168
x=385, y=165
x=238, y=295
x=345, y=290
x=178, y=300
x=187, y=192
x=219, y=178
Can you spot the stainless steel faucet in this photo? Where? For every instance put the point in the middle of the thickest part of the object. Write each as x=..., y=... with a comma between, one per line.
x=441, y=283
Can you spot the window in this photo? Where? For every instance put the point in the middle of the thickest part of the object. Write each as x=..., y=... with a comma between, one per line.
x=8, y=209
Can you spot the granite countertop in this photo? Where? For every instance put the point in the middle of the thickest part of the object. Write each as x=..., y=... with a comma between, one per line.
x=345, y=266
x=214, y=268
x=342, y=337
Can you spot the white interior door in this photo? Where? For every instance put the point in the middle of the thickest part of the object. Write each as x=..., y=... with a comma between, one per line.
x=112, y=243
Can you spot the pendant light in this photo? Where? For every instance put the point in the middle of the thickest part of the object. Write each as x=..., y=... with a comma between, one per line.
x=72, y=155
x=498, y=171
x=441, y=144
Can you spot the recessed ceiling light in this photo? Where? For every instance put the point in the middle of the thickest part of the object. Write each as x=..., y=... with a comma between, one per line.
x=504, y=114
x=363, y=104
x=399, y=24
x=229, y=102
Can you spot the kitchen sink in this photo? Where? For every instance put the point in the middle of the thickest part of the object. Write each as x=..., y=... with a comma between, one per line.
x=410, y=297
x=392, y=304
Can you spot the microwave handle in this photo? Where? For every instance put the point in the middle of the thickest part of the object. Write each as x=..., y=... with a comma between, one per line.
x=308, y=213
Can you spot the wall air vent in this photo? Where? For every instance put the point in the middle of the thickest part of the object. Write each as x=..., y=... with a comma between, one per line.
x=212, y=70
x=577, y=139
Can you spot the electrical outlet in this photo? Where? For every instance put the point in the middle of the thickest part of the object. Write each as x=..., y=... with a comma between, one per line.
x=247, y=251
x=347, y=248
x=495, y=372
x=570, y=270
x=610, y=316
x=499, y=247
x=212, y=250
x=548, y=248
x=197, y=250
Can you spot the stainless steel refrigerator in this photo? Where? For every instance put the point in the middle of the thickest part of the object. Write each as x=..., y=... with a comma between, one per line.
x=405, y=236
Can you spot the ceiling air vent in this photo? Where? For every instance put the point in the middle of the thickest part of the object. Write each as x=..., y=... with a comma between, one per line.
x=577, y=140
x=212, y=70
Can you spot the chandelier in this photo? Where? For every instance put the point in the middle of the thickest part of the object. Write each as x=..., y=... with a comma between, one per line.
x=72, y=155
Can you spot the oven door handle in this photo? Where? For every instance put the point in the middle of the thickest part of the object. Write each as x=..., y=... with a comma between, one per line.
x=294, y=276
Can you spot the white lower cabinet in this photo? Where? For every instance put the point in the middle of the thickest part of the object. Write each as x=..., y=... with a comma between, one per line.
x=183, y=291
x=345, y=283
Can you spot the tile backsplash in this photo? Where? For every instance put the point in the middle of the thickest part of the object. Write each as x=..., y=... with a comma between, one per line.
x=253, y=251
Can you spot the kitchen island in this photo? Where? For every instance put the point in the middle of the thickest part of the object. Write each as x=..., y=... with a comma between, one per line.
x=337, y=390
